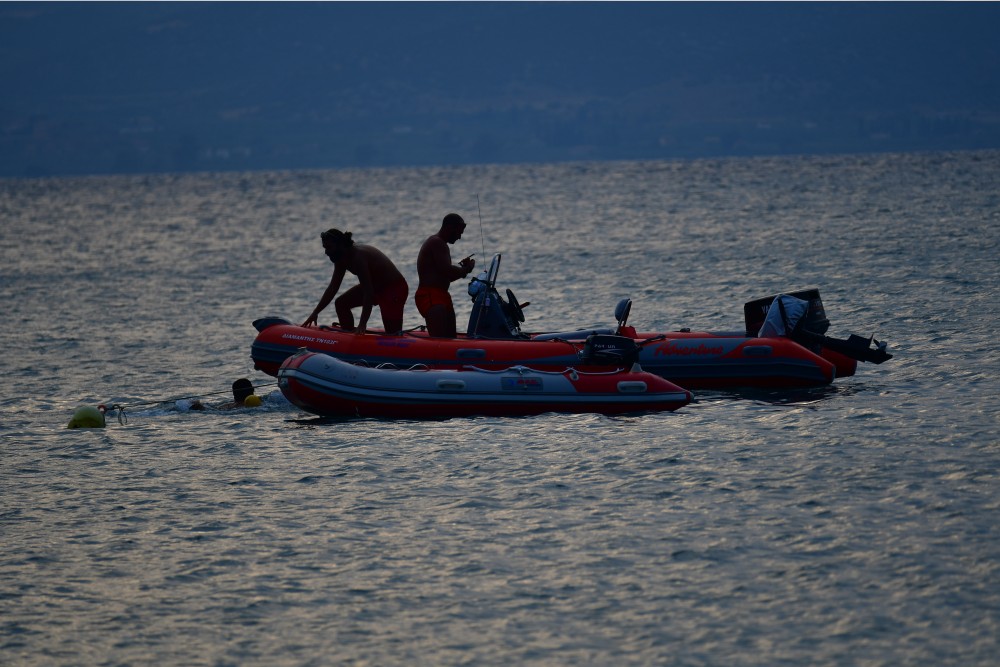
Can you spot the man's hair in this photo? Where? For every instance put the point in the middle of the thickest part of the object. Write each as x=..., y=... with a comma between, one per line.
x=242, y=388
x=337, y=237
x=453, y=219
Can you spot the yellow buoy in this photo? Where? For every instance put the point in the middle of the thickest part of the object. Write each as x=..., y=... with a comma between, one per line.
x=87, y=417
x=252, y=401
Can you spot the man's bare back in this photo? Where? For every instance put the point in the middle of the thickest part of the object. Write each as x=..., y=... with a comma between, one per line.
x=373, y=262
x=434, y=267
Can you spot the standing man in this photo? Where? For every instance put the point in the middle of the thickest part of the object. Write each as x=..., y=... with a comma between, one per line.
x=436, y=273
x=379, y=283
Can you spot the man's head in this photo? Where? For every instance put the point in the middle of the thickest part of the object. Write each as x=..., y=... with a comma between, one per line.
x=241, y=389
x=452, y=227
x=336, y=243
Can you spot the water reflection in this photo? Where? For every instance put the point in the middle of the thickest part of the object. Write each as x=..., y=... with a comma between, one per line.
x=793, y=396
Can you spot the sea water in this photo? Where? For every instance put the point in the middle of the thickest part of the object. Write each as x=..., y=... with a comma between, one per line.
x=855, y=524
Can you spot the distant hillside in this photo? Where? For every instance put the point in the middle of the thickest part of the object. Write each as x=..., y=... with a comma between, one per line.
x=147, y=87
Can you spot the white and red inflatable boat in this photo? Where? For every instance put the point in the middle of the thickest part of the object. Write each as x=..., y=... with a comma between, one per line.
x=327, y=386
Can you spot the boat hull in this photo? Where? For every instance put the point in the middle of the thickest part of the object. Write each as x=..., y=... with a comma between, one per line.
x=693, y=360
x=326, y=386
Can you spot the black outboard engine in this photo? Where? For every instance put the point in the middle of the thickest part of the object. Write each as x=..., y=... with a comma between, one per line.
x=610, y=350
x=755, y=312
x=808, y=330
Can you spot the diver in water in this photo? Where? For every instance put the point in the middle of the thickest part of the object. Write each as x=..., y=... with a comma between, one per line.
x=243, y=397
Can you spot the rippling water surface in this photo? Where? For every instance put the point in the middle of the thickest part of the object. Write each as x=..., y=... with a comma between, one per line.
x=854, y=524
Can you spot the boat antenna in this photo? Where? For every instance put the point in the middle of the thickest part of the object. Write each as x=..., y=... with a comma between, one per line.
x=481, y=235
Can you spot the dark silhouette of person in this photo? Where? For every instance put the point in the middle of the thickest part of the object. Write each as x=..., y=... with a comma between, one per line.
x=436, y=273
x=379, y=283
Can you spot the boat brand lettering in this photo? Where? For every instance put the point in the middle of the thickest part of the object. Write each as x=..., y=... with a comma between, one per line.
x=393, y=342
x=683, y=348
x=308, y=339
x=521, y=384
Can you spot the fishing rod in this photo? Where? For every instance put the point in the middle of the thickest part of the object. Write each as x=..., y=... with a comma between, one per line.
x=482, y=236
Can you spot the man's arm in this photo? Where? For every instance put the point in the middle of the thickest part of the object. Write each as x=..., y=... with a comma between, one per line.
x=328, y=294
x=450, y=272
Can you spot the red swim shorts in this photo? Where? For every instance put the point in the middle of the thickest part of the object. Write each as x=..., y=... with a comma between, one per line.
x=427, y=297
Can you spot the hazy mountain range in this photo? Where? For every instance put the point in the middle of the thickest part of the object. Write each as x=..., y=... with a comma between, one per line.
x=152, y=87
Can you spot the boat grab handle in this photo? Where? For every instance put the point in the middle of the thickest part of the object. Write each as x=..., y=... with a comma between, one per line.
x=452, y=385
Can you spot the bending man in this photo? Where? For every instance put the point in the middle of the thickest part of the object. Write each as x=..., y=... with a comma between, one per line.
x=379, y=283
x=436, y=273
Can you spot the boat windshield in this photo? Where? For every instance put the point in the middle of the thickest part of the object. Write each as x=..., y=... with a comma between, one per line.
x=491, y=275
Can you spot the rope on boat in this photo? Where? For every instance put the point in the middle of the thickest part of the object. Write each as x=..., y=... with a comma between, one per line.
x=335, y=326
x=389, y=366
x=573, y=373
x=569, y=371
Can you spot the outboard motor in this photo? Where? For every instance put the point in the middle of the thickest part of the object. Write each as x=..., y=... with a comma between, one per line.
x=786, y=317
x=755, y=312
x=807, y=328
x=610, y=350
